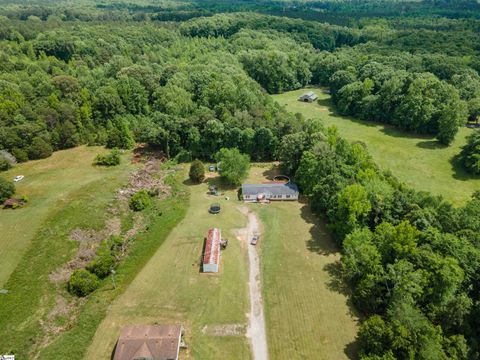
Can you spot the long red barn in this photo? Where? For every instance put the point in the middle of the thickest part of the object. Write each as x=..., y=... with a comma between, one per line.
x=211, y=256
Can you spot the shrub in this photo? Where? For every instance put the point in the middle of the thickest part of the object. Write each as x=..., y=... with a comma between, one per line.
x=82, y=282
x=197, y=171
x=183, y=156
x=4, y=164
x=40, y=149
x=103, y=263
x=20, y=154
x=139, y=201
x=7, y=189
x=470, y=154
x=110, y=159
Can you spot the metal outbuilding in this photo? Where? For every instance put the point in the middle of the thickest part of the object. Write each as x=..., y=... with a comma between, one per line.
x=308, y=97
x=211, y=255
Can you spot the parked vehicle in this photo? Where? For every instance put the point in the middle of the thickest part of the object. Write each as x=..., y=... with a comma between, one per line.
x=211, y=168
x=18, y=178
x=255, y=239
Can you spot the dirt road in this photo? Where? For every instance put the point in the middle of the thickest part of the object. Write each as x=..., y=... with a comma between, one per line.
x=256, y=326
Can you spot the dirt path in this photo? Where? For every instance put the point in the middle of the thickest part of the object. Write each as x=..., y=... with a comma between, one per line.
x=256, y=326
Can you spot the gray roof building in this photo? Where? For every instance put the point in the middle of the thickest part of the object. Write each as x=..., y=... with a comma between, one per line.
x=308, y=97
x=270, y=191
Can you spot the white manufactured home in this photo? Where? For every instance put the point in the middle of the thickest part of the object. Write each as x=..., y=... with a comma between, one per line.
x=270, y=191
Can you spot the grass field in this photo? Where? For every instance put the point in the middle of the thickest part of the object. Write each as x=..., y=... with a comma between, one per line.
x=49, y=184
x=33, y=324
x=170, y=288
x=307, y=310
x=416, y=160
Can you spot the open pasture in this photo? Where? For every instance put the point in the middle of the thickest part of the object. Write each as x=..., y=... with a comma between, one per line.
x=419, y=161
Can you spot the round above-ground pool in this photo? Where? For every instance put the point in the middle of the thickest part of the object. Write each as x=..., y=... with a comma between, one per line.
x=282, y=178
x=214, y=209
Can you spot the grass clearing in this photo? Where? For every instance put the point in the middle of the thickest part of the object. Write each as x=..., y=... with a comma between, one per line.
x=50, y=184
x=419, y=161
x=308, y=314
x=171, y=289
x=29, y=314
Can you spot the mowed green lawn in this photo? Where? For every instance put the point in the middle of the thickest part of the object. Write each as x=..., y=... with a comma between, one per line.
x=171, y=288
x=419, y=161
x=307, y=310
x=49, y=184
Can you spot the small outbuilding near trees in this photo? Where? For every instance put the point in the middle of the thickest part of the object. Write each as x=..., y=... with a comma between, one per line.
x=308, y=97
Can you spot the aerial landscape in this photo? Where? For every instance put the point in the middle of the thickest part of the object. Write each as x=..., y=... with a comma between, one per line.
x=240, y=179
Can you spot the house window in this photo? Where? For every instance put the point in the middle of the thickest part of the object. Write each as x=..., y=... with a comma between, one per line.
x=288, y=196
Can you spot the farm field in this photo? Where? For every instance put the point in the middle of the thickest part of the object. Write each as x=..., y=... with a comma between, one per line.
x=171, y=289
x=417, y=160
x=50, y=185
x=308, y=315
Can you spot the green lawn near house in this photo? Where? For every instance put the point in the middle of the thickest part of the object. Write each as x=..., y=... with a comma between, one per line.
x=308, y=314
x=171, y=288
x=419, y=161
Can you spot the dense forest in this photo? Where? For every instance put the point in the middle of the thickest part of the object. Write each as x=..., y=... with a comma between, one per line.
x=66, y=82
x=192, y=78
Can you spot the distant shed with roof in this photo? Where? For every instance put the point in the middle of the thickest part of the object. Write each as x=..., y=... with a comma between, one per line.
x=211, y=255
x=153, y=342
x=274, y=191
x=308, y=97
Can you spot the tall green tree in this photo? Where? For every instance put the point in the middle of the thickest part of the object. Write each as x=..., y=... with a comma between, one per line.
x=233, y=165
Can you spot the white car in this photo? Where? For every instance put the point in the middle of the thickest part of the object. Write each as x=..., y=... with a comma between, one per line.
x=18, y=178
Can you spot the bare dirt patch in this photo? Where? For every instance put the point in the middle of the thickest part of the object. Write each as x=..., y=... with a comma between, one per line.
x=62, y=317
x=224, y=330
x=149, y=177
x=88, y=240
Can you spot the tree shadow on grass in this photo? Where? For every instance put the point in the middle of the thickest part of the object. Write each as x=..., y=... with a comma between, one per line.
x=459, y=172
x=338, y=283
x=272, y=172
x=333, y=112
x=189, y=182
x=351, y=349
x=218, y=182
x=320, y=241
x=430, y=144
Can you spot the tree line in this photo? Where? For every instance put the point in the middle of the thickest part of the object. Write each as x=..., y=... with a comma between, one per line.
x=195, y=87
x=412, y=259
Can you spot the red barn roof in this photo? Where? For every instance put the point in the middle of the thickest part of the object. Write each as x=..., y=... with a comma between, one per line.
x=212, y=247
